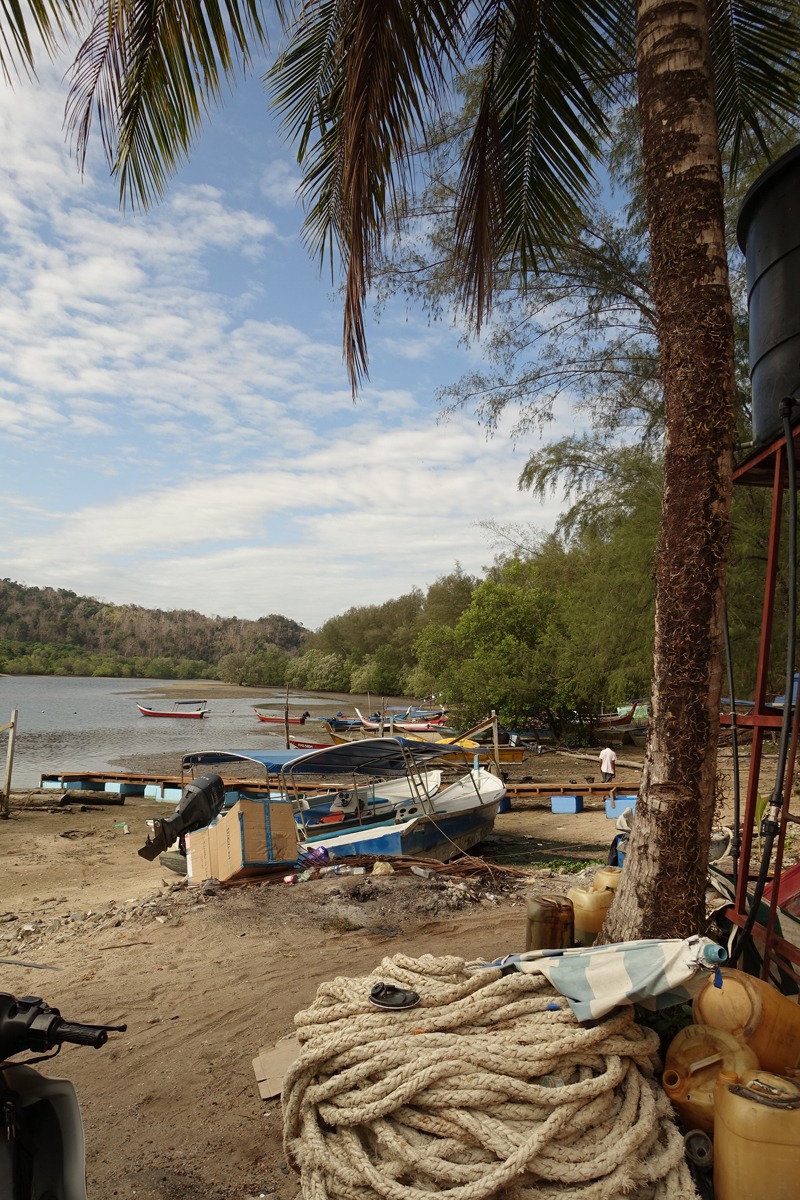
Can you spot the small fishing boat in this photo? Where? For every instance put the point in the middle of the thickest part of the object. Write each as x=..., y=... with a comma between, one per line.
x=413, y=817
x=405, y=726
x=272, y=720
x=188, y=710
x=608, y=720
x=341, y=722
x=301, y=744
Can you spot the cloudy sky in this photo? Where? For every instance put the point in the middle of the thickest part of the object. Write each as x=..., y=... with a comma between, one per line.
x=177, y=428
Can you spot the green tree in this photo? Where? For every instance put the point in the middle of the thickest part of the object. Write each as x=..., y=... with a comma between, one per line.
x=493, y=657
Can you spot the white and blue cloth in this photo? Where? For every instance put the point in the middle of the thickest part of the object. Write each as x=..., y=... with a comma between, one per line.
x=656, y=973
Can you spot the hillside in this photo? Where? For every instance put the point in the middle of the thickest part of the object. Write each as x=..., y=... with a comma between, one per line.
x=55, y=616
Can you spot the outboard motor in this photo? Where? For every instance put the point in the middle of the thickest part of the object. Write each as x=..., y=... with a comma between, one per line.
x=201, y=802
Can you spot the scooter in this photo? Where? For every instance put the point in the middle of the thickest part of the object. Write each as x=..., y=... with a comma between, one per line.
x=42, y=1151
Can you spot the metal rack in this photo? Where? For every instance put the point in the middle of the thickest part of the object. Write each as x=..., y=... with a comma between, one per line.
x=766, y=468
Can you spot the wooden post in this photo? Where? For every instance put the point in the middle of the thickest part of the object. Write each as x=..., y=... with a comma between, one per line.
x=286, y=717
x=383, y=712
x=496, y=742
x=391, y=724
x=12, y=733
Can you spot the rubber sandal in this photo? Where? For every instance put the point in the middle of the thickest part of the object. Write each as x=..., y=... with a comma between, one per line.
x=386, y=995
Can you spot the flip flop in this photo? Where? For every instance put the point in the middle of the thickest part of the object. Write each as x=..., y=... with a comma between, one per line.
x=386, y=995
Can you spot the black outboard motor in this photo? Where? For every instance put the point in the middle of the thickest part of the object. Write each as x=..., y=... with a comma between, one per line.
x=202, y=800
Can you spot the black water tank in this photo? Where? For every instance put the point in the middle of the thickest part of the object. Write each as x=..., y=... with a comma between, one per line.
x=768, y=232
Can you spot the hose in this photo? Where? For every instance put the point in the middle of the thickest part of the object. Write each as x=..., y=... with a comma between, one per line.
x=736, y=844
x=772, y=824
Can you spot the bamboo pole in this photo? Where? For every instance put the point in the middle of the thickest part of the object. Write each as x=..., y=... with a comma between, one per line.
x=286, y=717
x=496, y=743
x=12, y=734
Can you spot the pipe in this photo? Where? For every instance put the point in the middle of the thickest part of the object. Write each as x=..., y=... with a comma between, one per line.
x=736, y=844
x=772, y=824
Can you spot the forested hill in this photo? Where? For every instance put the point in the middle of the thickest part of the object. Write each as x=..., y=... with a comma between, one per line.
x=54, y=615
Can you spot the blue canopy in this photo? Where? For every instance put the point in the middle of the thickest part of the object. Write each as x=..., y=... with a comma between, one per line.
x=370, y=756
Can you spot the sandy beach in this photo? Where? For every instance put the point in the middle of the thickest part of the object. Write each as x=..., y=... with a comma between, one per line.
x=171, y=1108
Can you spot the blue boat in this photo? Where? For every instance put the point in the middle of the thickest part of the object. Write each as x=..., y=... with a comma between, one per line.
x=340, y=722
x=438, y=825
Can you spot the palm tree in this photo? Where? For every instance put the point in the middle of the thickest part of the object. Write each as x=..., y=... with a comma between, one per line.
x=358, y=82
x=48, y=23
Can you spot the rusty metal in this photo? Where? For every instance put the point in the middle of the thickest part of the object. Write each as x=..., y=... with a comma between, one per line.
x=766, y=468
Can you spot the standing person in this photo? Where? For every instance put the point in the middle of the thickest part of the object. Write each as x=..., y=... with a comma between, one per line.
x=608, y=764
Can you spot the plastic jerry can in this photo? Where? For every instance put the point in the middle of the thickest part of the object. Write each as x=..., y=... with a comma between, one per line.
x=550, y=924
x=755, y=1012
x=607, y=877
x=590, y=906
x=692, y=1063
x=756, y=1137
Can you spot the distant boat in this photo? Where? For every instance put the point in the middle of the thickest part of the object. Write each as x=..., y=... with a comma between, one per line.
x=180, y=709
x=282, y=720
x=340, y=721
x=410, y=726
x=608, y=720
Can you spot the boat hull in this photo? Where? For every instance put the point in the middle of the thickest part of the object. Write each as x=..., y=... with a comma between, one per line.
x=279, y=720
x=440, y=837
x=180, y=716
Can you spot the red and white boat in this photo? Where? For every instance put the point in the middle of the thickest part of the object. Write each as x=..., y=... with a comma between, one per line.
x=180, y=709
x=434, y=726
x=282, y=720
x=300, y=744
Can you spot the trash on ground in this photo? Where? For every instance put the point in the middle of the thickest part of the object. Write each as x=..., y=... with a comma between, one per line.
x=272, y=1064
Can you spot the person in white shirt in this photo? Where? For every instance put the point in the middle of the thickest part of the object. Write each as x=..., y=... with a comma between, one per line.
x=608, y=761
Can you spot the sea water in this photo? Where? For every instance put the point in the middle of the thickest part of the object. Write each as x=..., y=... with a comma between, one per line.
x=68, y=724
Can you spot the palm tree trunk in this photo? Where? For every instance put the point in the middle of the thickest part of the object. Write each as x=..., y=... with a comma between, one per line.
x=662, y=887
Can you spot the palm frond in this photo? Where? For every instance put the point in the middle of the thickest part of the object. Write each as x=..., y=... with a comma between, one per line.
x=356, y=83
x=756, y=55
x=551, y=69
x=50, y=19
x=148, y=70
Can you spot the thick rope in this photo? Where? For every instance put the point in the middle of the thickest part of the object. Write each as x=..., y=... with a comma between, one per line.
x=490, y=1087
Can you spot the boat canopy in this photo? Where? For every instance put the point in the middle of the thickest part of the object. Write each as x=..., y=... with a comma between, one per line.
x=370, y=756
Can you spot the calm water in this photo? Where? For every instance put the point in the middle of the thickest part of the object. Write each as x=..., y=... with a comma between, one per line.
x=68, y=724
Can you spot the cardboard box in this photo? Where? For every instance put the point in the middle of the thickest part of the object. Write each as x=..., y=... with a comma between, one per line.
x=242, y=841
x=271, y=1066
x=201, y=856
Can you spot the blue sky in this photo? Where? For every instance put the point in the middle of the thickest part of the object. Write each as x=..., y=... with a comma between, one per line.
x=177, y=427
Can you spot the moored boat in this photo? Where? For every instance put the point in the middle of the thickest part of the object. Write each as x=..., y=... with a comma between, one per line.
x=179, y=709
x=374, y=726
x=272, y=720
x=416, y=819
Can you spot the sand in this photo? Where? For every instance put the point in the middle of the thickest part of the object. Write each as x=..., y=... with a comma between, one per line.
x=171, y=1108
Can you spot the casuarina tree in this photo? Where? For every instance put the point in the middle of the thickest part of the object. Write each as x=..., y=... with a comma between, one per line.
x=358, y=82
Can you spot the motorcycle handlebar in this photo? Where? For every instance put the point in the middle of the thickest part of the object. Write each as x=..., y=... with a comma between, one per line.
x=81, y=1035
x=30, y=1024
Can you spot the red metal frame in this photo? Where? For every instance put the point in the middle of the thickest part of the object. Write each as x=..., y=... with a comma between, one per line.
x=766, y=468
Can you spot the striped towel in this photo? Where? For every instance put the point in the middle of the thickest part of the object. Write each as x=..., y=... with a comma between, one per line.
x=655, y=973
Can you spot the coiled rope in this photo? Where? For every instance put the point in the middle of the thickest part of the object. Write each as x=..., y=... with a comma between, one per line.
x=484, y=1089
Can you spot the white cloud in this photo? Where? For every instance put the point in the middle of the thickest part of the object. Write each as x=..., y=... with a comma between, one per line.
x=172, y=438
x=279, y=183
